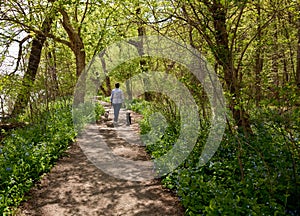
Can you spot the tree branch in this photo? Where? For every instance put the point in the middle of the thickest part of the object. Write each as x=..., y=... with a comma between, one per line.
x=251, y=40
x=20, y=54
x=57, y=39
x=236, y=26
x=84, y=15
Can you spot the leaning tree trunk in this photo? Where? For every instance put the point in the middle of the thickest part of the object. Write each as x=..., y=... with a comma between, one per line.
x=33, y=64
x=77, y=46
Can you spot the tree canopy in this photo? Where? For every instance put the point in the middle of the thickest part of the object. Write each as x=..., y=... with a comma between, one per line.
x=252, y=46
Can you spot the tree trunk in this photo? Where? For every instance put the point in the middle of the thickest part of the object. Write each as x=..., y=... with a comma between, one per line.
x=225, y=59
x=77, y=46
x=33, y=64
x=143, y=63
x=129, y=89
x=107, y=91
x=258, y=60
x=298, y=56
x=54, y=87
x=275, y=64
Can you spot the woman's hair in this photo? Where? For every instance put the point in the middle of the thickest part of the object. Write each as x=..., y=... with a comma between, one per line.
x=117, y=85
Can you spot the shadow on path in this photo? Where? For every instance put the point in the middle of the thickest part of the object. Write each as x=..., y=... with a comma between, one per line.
x=76, y=187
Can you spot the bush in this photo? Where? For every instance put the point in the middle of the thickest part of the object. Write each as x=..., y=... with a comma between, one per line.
x=255, y=175
x=99, y=110
x=27, y=153
x=138, y=106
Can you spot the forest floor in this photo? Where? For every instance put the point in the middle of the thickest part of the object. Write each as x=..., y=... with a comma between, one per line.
x=75, y=186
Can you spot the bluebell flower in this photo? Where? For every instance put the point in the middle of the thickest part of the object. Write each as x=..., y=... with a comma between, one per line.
x=1, y=151
x=8, y=169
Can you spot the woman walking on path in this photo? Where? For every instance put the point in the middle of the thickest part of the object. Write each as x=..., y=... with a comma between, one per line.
x=116, y=100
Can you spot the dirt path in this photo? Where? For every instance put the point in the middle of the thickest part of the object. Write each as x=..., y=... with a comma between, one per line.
x=75, y=186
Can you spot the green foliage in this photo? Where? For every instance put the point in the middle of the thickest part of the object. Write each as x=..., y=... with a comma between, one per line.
x=99, y=110
x=257, y=175
x=85, y=113
x=165, y=143
x=138, y=106
x=27, y=153
x=106, y=99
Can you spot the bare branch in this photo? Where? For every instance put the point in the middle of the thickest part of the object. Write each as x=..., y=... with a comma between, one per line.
x=236, y=26
x=57, y=39
x=20, y=54
x=251, y=40
x=84, y=14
